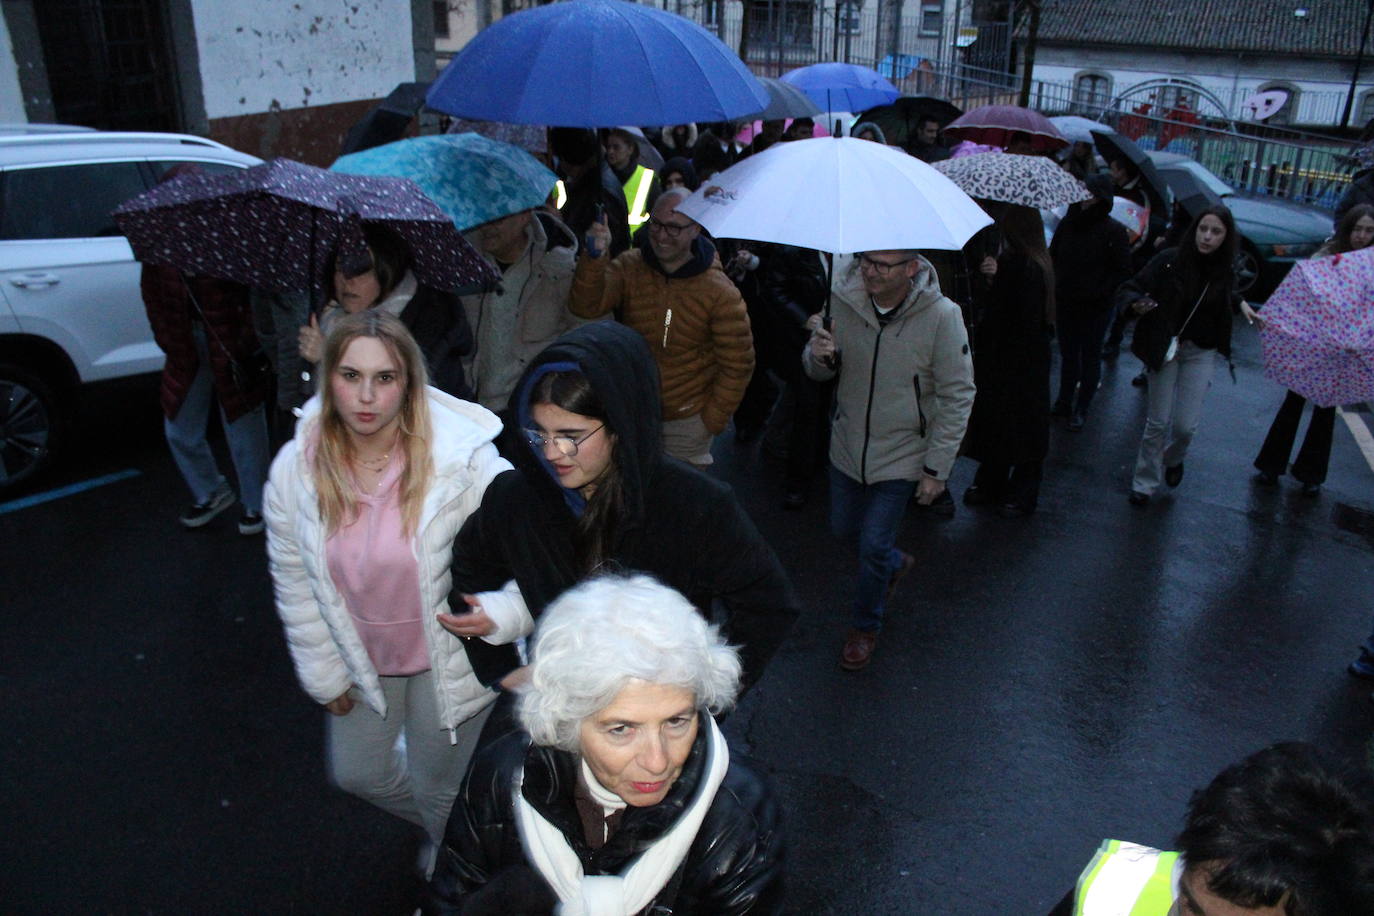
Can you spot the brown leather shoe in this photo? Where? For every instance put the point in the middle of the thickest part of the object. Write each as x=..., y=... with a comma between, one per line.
x=904, y=566
x=858, y=650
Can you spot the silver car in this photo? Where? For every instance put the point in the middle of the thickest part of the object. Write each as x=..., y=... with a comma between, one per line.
x=70, y=308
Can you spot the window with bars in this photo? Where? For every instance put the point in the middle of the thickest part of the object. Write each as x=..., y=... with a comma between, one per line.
x=932, y=19
x=787, y=24
x=441, y=29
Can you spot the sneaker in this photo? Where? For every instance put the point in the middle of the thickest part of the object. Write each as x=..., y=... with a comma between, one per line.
x=250, y=523
x=942, y=505
x=204, y=513
x=858, y=650
x=1362, y=666
x=1173, y=476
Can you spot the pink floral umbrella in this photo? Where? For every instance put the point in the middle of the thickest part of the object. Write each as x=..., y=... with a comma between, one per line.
x=1319, y=329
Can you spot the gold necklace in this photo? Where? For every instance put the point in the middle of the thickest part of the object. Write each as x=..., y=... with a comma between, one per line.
x=373, y=464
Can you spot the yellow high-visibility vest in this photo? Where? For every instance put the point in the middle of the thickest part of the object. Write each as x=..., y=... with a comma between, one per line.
x=1126, y=879
x=637, y=195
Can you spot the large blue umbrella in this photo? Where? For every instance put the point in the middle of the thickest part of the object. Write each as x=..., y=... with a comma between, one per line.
x=842, y=87
x=472, y=179
x=593, y=63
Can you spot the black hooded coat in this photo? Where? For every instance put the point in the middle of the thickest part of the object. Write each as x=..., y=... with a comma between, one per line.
x=682, y=527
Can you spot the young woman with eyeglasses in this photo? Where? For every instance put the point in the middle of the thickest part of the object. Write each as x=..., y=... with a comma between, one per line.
x=593, y=491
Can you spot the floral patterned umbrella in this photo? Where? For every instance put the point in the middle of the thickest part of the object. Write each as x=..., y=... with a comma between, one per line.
x=277, y=225
x=1319, y=329
x=995, y=125
x=1031, y=181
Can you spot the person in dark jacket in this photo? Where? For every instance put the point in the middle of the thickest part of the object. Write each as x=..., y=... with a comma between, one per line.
x=1092, y=257
x=1185, y=293
x=678, y=172
x=592, y=491
x=620, y=796
x=1361, y=189
x=205, y=328
x=593, y=194
x=433, y=317
x=786, y=289
x=1008, y=433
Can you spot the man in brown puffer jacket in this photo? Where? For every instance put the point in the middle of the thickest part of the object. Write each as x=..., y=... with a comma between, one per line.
x=671, y=289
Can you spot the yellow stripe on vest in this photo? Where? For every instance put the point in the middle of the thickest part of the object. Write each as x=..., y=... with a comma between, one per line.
x=637, y=195
x=1126, y=879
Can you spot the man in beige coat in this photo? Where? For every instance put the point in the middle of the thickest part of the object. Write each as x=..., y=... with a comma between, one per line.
x=535, y=253
x=902, y=403
x=671, y=289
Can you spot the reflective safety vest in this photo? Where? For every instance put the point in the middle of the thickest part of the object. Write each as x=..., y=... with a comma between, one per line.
x=1125, y=879
x=637, y=195
x=560, y=191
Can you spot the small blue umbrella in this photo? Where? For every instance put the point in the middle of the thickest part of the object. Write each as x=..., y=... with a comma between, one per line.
x=472, y=178
x=593, y=63
x=842, y=87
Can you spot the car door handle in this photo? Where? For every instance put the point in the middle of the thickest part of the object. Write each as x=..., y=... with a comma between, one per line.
x=35, y=281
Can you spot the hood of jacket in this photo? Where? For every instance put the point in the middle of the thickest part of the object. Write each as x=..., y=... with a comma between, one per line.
x=925, y=292
x=666, y=137
x=617, y=362
x=703, y=256
x=549, y=232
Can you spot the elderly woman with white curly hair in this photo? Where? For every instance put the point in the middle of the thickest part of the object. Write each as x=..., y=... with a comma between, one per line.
x=619, y=797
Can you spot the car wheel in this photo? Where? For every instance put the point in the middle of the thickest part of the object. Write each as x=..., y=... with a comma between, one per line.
x=1248, y=266
x=28, y=425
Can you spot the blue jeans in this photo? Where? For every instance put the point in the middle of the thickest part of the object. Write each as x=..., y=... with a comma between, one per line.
x=247, y=438
x=873, y=514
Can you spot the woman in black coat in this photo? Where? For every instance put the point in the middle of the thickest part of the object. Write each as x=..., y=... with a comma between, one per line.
x=619, y=796
x=1187, y=293
x=1092, y=257
x=1008, y=432
x=593, y=491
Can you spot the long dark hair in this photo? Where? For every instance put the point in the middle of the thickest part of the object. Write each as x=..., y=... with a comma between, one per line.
x=596, y=527
x=1341, y=242
x=390, y=260
x=1024, y=231
x=1217, y=268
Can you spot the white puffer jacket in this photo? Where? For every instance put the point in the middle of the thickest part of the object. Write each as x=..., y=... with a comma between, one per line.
x=325, y=647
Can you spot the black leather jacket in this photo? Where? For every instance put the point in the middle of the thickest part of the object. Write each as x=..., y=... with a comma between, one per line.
x=733, y=866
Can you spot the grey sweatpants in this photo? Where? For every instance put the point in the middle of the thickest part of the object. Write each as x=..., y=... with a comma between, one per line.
x=404, y=763
x=1176, y=393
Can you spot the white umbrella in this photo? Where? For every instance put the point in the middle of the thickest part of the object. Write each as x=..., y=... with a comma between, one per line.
x=839, y=195
x=1079, y=129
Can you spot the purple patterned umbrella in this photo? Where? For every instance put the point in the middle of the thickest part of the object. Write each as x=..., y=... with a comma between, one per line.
x=277, y=225
x=1319, y=329
x=995, y=125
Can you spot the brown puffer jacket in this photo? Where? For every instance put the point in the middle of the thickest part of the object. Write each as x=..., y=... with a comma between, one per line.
x=229, y=337
x=694, y=321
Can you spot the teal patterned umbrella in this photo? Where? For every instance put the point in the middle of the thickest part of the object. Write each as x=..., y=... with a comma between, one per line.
x=472, y=178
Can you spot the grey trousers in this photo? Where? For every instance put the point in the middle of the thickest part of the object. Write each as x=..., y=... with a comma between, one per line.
x=689, y=440
x=403, y=764
x=1176, y=393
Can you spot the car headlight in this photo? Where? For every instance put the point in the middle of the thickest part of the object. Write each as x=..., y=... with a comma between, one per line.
x=1294, y=249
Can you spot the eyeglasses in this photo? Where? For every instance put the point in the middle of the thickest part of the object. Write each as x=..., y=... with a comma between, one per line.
x=566, y=445
x=881, y=268
x=672, y=230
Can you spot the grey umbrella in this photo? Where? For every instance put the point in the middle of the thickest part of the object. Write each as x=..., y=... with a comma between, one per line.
x=786, y=101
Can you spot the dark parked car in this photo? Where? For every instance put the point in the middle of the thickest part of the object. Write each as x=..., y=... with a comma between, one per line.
x=1274, y=232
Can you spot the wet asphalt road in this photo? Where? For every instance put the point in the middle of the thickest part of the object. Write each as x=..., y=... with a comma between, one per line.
x=1042, y=683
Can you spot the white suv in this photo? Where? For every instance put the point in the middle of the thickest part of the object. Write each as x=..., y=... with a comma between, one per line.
x=70, y=308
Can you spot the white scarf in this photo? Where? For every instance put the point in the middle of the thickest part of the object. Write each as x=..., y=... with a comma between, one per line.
x=627, y=893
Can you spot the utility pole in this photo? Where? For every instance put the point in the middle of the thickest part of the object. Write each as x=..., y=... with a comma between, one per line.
x=1028, y=65
x=1359, y=60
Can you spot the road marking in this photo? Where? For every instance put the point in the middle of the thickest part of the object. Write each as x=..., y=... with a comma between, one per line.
x=36, y=499
x=1360, y=431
